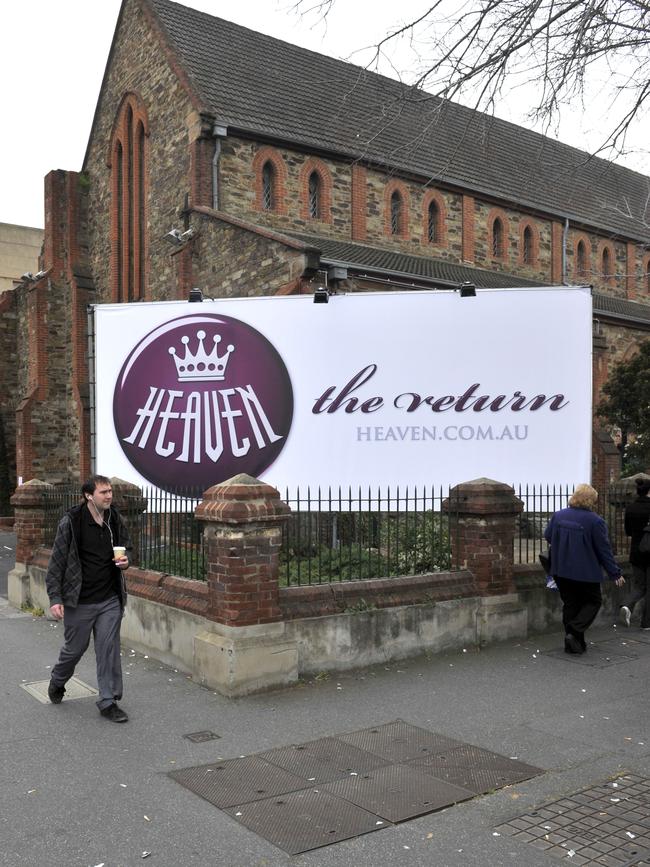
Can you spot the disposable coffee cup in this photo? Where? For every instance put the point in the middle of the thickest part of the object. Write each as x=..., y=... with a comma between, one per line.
x=118, y=552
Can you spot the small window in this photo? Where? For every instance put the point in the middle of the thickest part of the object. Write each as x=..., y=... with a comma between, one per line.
x=581, y=260
x=268, y=184
x=528, y=246
x=497, y=239
x=607, y=264
x=314, y=196
x=433, y=226
x=395, y=214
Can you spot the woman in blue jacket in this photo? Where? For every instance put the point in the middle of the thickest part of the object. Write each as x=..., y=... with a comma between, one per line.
x=580, y=551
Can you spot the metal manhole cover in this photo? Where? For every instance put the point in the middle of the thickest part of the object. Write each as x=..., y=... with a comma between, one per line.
x=607, y=824
x=237, y=781
x=323, y=760
x=305, y=820
x=399, y=742
x=201, y=737
x=476, y=769
x=597, y=656
x=398, y=792
x=74, y=689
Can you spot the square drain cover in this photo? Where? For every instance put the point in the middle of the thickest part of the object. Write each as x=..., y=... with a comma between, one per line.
x=398, y=792
x=324, y=760
x=601, y=655
x=201, y=737
x=476, y=769
x=74, y=689
x=400, y=742
x=238, y=781
x=304, y=796
x=305, y=820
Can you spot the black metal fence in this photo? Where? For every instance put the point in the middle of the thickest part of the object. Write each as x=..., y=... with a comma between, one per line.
x=166, y=535
x=540, y=501
x=344, y=535
x=348, y=535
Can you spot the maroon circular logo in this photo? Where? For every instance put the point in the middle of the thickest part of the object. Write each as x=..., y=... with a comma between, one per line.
x=200, y=399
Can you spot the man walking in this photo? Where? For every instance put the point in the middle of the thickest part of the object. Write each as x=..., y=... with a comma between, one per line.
x=86, y=588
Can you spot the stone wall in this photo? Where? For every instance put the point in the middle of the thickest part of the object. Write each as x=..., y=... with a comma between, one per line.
x=8, y=387
x=140, y=64
x=229, y=260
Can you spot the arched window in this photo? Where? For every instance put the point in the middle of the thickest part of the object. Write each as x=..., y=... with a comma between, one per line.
x=314, y=196
x=128, y=185
x=268, y=185
x=581, y=260
x=396, y=214
x=527, y=252
x=497, y=239
x=433, y=223
x=607, y=264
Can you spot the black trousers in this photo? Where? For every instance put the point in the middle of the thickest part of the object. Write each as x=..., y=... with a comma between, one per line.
x=581, y=601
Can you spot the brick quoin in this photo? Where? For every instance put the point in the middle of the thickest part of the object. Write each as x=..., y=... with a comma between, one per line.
x=243, y=526
x=468, y=228
x=483, y=540
x=359, y=203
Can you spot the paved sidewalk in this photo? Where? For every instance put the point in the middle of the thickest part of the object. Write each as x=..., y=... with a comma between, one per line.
x=76, y=790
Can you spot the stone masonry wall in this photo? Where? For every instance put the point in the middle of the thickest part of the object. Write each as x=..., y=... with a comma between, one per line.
x=8, y=386
x=233, y=262
x=239, y=196
x=140, y=64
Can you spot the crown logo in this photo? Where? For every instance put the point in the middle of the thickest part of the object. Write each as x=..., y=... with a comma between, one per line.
x=202, y=366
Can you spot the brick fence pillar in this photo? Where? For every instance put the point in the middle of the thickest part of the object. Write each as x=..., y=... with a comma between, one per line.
x=243, y=520
x=129, y=500
x=482, y=542
x=28, y=501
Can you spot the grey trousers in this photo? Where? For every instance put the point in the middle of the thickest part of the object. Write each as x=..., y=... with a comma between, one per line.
x=640, y=592
x=103, y=620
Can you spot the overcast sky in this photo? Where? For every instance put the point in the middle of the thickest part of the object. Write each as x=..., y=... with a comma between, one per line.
x=52, y=59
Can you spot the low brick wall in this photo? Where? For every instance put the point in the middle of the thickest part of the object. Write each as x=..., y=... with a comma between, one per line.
x=183, y=593
x=318, y=600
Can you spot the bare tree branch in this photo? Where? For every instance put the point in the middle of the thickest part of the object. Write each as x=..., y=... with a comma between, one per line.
x=475, y=49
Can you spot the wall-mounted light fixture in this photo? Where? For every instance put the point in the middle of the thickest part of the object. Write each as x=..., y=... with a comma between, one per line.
x=467, y=290
x=176, y=237
x=195, y=296
x=321, y=295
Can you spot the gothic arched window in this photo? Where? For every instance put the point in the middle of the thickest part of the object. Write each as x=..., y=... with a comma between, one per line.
x=128, y=184
x=268, y=186
x=396, y=214
x=314, y=196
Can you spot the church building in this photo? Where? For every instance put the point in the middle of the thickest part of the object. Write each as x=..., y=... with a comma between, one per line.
x=227, y=160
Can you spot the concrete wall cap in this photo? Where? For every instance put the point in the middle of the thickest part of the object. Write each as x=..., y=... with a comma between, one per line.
x=31, y=493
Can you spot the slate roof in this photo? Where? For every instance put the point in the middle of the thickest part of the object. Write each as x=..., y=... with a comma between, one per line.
x=403, y=267
x=391, y=263
x=255, y=83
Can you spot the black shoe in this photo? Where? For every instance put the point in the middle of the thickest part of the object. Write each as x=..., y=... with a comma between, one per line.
x=572, y=645
x=114, y=713
x=55, y=693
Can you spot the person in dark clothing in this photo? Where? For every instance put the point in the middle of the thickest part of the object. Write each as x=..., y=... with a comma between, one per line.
x=637, y=516
x=580, y=550
x=86, y=589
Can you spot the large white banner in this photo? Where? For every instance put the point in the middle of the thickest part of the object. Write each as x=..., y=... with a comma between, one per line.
x=372, y=389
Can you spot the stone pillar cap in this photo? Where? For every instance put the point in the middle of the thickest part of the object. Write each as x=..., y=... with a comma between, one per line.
x=483, y=496
x=240, y=500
